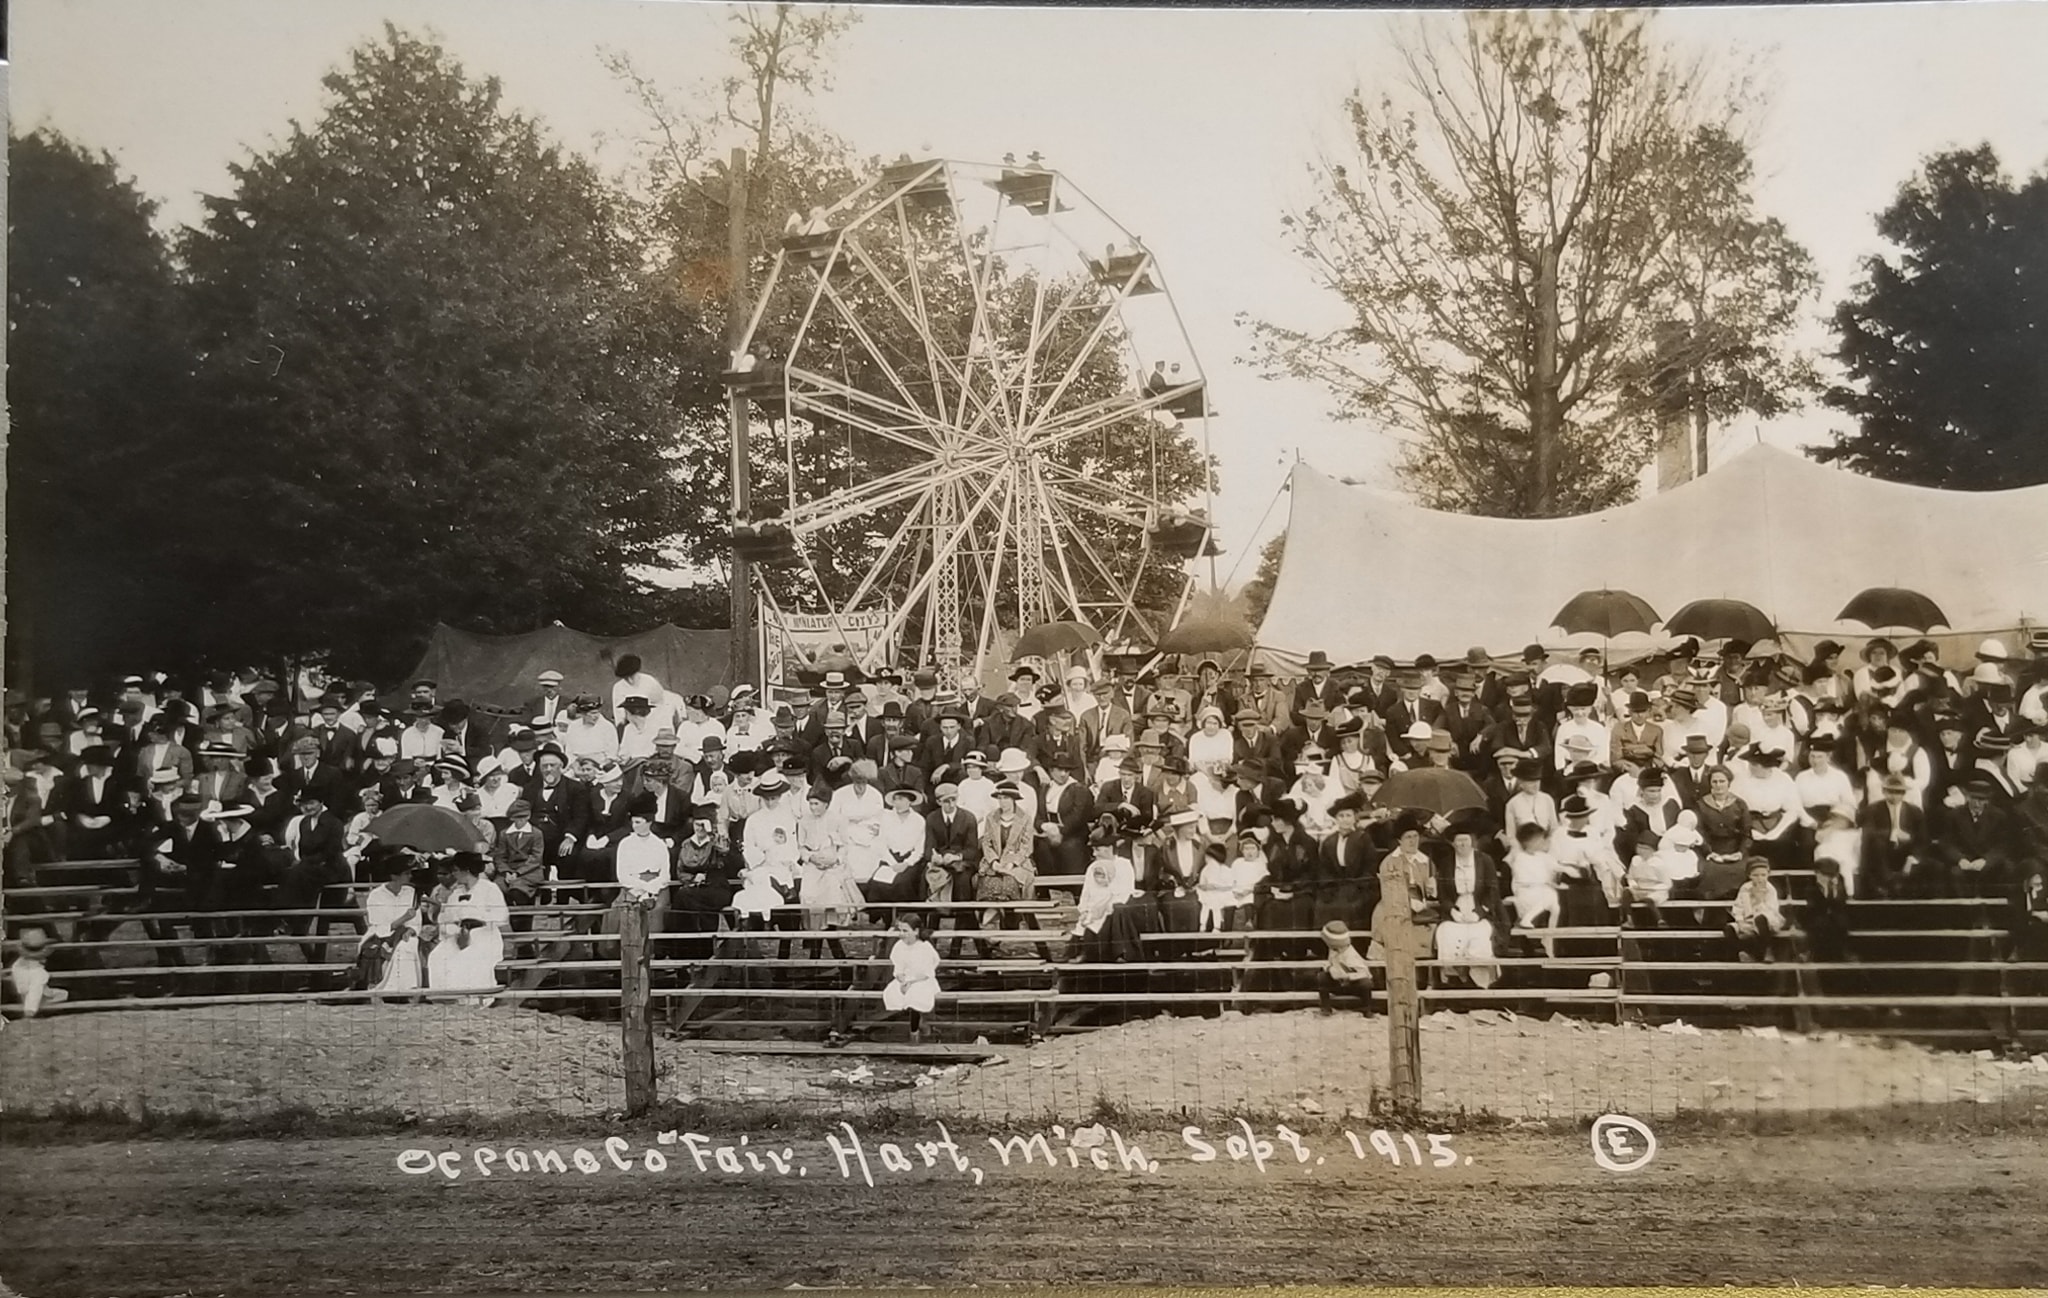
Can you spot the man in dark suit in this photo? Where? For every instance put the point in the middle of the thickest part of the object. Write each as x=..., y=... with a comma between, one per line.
x=953, y=846
x=1976, y=842
x=872, y=729
x=176, y=874
x=1126, y=694
x=338, y=744
x=1894, y=844
x=940, y=753
x=1251, y=741
x=308, y=771
x=459, y=728
x=1060, y=739
x=1316, y=687
x=560, y=808
x=1689, y=777
x=1523, y=730
x=839, y=742
x=1005, y=729
x=1465, y=720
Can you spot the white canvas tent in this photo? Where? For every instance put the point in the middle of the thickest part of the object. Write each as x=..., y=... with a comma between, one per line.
x=1367, y=572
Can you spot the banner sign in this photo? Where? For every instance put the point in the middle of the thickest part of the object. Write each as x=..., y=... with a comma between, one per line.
x=800, y=642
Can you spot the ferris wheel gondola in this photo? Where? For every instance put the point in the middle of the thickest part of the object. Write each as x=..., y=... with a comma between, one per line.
x=985, y=409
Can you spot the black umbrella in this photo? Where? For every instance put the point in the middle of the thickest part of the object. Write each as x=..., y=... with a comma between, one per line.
x=425, y=827
x=1722, y=619
x=1605, y=613
x=1436, y=789
x=1211, y=623
x=1050, y=639
x=1889, y=606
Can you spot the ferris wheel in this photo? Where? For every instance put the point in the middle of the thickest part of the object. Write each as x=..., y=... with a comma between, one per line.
x=985, y=415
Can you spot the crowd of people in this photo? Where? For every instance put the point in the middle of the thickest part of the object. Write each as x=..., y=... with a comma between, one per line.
x=1166, y=796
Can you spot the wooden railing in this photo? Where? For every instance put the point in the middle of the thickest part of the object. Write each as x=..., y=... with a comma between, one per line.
x=771, y=980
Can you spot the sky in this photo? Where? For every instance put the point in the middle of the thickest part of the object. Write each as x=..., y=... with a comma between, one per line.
x=1192, y=128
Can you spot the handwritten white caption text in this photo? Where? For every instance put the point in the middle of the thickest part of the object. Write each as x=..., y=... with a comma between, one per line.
x=850, y=1156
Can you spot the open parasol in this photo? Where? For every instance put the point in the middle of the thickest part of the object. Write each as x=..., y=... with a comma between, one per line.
x=1722, y=619
x=1211, y=624
x=1893, y=606
x=1605, y=613
x=425, y=828
x=1435, y=789
x=1051, y=639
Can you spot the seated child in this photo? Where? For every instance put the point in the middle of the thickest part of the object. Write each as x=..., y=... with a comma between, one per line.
x=1346, y=972
x=1533, y=872
x=1755, y=918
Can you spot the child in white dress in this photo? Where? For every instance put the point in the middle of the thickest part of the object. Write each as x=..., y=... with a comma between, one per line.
x=1533, y=872
x=915, y=963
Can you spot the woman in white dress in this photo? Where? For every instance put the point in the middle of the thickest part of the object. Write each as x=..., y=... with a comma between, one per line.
x=859, y=808
x=915, y=964
x=496, y=794
x=1212, y=744
x=472, y=924
x=391, y=913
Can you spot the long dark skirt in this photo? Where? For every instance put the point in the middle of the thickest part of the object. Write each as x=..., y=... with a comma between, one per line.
x=1290, y=913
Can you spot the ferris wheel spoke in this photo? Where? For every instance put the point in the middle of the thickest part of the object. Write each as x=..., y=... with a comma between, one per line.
x=1112, y=504
x=980, y=334
x=992, y=580
x=882, y=565
x=878, y=493
x=912, y=313
x=1087, y=349
x=1103, y=412
x=943, y=551
x=1049, y=520
x=826, y=387
x=1122, y=590
x=852, y=324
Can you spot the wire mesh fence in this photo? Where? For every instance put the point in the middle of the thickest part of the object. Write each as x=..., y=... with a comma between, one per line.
x=1029, y=1027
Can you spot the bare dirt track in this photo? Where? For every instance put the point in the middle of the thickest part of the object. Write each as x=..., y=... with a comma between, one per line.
x=333, y=1216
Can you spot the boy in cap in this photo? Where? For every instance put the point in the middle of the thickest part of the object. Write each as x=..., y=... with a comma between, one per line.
x=28, y=975
x=1756, y=919
x=549, y=705
x=519, y=860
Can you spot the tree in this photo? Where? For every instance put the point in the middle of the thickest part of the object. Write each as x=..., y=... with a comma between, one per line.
x=97, y=379
x=1946, y=342
x=442, y=388
x=1727, y=290
x=1504, y=242
x=1258, y=592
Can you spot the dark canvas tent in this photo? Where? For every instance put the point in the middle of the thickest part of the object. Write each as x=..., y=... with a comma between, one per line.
x=496, y=672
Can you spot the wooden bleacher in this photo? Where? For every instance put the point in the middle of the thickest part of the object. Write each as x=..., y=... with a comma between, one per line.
x=1932, y=969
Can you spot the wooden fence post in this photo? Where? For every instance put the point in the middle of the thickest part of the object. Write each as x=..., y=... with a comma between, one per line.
x=1404, y=1029
x=636, y=1028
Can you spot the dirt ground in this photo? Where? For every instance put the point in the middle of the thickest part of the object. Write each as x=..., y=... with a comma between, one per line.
x=335, y=1216
x=441, y=1060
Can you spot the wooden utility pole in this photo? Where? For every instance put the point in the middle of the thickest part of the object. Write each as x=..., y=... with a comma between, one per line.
x=1544, y=416
x=636, y=1028
x=1404, y=1029
x=736, y=405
